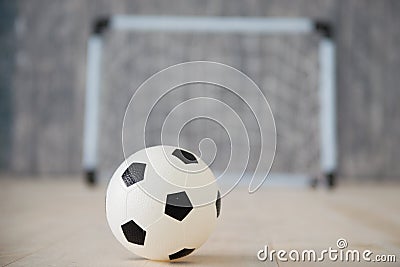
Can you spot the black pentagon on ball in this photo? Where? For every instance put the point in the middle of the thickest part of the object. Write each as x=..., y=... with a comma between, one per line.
x=184, y=156
x=218, y=203
x=134, y=173
x=178, y=205
x=181, y=253
x=134, y=233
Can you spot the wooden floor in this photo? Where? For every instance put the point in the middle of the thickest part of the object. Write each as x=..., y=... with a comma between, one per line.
x=62, y=223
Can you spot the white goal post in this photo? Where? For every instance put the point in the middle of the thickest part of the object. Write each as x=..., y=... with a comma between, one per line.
x=258, y=25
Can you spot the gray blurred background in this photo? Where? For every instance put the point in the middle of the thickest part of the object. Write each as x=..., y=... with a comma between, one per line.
x=43, y=68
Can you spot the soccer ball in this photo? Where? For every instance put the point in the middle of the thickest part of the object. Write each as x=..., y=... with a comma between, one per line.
x=162, y=203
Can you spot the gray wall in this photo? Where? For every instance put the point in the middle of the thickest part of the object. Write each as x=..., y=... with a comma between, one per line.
x=48, y=81
x=369, y=88
x=7, y=52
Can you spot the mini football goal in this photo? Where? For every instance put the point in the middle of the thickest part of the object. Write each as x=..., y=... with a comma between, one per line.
x=292, y=60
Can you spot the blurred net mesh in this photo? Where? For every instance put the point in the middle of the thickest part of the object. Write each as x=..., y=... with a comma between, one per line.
x=285, y=67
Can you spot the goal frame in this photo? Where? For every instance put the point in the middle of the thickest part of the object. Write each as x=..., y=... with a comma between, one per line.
x=256, y=25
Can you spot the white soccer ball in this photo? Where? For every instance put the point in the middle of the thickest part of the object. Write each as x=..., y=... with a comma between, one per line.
x=162, y=203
